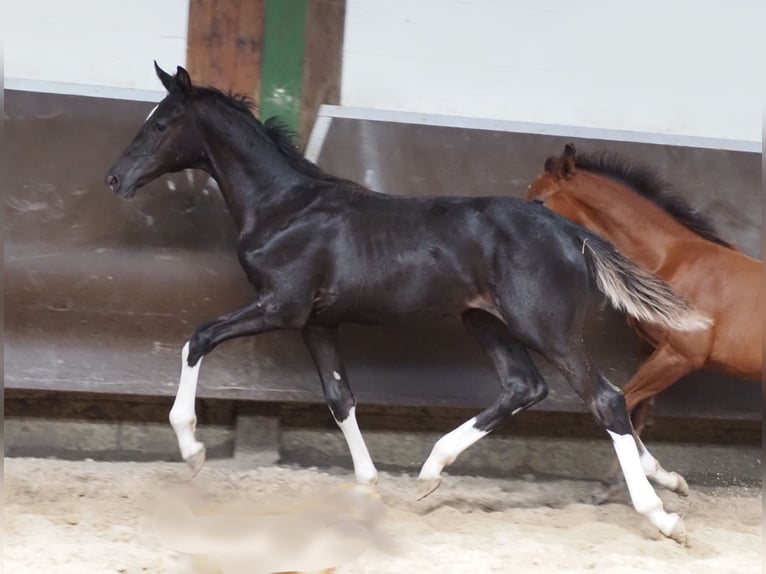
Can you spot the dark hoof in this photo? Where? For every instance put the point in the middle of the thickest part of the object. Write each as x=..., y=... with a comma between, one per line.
x=196, y=461
x=683, y=488
x=427, y=486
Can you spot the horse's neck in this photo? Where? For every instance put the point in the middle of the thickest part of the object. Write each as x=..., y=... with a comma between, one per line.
x=255, y=179
x=640, y=229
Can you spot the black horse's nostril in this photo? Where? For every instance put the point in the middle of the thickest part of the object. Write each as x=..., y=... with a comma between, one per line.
x=112, y=181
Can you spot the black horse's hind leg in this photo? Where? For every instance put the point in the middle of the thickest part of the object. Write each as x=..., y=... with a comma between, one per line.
x=264, y=314
x=614, y=483
x=521, y=383
x=608, y=406
x=521, y=387
x=322, y=343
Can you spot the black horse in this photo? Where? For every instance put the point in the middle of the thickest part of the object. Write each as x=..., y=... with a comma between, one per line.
x=320, y=250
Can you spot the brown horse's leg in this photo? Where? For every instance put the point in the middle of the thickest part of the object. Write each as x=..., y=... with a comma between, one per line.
x=640, y=415
x=663, y=368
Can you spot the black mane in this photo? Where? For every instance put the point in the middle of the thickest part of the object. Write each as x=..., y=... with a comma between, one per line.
x=284, y=138
x=279, y=133
x=241, y=102
x=652, y=187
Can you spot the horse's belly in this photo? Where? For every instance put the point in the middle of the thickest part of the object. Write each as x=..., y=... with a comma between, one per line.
x=387, y=312
x=393, y=303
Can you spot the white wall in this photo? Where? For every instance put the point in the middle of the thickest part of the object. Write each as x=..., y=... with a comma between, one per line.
x=683, y=67
x=94, y=42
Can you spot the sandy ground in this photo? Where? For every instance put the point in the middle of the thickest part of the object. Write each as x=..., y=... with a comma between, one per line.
x=75, y=517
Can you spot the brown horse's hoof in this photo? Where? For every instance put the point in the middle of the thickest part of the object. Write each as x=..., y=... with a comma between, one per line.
x=196, y=461
x=427, y=486
x=683, y=488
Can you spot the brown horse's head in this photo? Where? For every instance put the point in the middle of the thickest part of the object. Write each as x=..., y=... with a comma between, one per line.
x=552, y=188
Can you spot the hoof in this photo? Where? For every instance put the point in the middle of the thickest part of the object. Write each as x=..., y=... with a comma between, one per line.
x=196, y=461
x=368, y=480
x=427, y=486
x=683, y=488
x=679, y=532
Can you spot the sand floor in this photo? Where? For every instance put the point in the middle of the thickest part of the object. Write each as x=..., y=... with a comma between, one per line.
x=94, y=517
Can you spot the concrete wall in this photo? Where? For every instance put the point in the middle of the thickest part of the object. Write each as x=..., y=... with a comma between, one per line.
x=78, y=427
x=682, y=67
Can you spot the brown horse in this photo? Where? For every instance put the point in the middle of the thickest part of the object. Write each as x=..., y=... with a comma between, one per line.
x=632, y=208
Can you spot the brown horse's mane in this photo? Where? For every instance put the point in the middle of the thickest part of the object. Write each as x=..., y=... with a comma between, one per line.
x=652, y=187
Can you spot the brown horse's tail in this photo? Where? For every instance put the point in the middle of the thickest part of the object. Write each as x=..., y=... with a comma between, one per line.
x=637, y=291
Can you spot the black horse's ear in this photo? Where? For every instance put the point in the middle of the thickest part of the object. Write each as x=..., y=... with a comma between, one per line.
x=570, y=150
x=183, y=81
x=166, y=79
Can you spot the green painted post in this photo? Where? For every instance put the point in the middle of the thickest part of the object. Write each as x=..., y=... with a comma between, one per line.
x=282, y=65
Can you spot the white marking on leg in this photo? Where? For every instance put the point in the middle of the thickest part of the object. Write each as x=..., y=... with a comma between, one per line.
x=448, y=447
x=644, y=499
x=182, y=416
x=171, y=185
x=336, y=374
x=154, y=109
x=364, y=469
x=652, y=468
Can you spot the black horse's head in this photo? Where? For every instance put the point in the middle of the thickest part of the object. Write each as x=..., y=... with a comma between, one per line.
x=169, y=140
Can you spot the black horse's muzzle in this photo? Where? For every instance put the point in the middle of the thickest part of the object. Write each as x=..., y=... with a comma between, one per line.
x=113, y=182
x=124, y=186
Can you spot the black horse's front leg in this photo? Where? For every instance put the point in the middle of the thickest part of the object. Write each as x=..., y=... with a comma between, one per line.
x=322, y=343
x=266, y=313
x=262, y=315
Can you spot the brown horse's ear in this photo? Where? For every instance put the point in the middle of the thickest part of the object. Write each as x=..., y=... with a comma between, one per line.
x=568, y=160
x=564, y=165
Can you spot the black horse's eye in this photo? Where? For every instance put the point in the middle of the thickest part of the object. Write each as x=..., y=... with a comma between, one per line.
x=159, y=127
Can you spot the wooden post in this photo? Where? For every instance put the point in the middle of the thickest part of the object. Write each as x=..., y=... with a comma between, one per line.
x=285, y=54
x=224, y=46
x=325, y=25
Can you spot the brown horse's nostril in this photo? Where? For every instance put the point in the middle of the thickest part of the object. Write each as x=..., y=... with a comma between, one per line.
x=112, y=181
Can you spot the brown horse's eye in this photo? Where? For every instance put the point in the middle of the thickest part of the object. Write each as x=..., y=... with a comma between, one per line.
x=159, y=127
